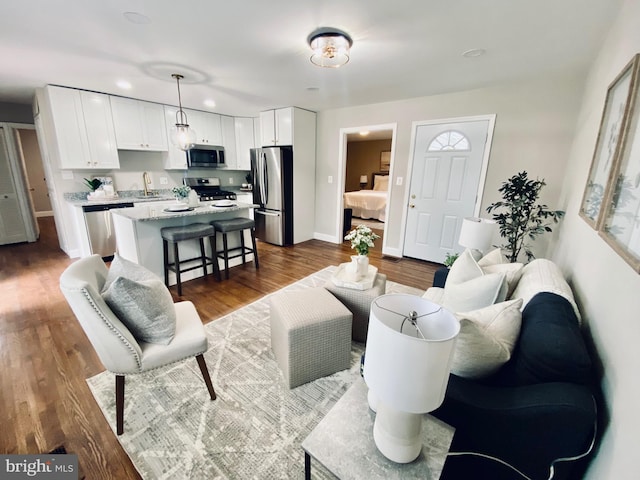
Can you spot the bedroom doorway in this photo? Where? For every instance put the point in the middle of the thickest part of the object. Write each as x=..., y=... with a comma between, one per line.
x=366, y=155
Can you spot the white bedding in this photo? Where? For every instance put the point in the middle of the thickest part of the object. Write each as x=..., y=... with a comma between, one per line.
x=367, y=203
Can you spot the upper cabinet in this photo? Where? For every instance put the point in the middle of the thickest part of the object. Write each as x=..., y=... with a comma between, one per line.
x=229, y=142
x=176, y=159
x=139, y=125
x=84, y=136
x=245, y=141
x=276, y=127
x=207, y=126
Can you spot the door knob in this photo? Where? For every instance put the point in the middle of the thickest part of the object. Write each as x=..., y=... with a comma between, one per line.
x=412, y=205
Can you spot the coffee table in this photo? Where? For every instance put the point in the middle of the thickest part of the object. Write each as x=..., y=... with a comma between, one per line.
x=343, y=443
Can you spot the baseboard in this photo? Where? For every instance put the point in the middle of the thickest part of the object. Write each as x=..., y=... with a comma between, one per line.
x=325, y=238
x=392, y=252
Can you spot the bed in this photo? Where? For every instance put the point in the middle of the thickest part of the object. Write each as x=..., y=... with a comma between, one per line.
x=368, y=204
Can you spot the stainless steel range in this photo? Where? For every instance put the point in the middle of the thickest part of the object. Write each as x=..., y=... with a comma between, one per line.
x=208, y=188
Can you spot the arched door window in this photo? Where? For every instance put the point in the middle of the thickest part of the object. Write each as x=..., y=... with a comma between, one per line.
x=450, y=140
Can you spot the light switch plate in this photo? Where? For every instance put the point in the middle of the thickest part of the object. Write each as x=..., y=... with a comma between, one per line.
x=164, y=181
x=330, y=179
x=399, y=181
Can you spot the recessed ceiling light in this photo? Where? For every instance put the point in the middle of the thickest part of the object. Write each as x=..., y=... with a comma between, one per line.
x=123, y=84
x=474, y=52
x=210, y=103
x=137, y=18
x=313, y=89
x=364, y=133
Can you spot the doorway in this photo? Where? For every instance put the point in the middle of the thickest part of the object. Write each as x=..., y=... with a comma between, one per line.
x=449, y=161
x=366, y=156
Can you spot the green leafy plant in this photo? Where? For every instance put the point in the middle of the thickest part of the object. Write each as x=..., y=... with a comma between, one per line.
x=93, y=184
x=362, y=238
x=519, y=217
x=181, y=191
x=450, y=258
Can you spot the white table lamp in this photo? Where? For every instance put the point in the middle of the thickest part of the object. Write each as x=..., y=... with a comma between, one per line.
x=406, y=367
x=477, y=233
x=364, y=180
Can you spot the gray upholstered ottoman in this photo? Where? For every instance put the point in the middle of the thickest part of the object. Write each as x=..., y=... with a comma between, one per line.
x=359, y=303
x=310, y=334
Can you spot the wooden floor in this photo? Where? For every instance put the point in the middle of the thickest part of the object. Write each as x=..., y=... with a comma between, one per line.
x=45, y=356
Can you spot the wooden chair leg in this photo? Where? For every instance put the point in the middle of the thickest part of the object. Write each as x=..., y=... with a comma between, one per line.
x=214, y=256
x=205, y=374
x=226, y=255
x=255, y=250
x=119, y=404
x=203, y=257
x=176, y=260
x=165, y=255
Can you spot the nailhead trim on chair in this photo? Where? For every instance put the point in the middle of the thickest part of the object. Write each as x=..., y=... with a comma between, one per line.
x=115, y=330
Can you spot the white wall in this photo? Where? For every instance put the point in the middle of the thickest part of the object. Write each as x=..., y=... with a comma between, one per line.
x=605, y=286
x=534, y=131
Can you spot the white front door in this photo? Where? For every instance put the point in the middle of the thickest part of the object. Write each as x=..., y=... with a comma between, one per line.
x=448, y=163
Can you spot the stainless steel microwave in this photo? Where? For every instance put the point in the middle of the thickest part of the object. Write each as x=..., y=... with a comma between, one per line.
x=205, y=156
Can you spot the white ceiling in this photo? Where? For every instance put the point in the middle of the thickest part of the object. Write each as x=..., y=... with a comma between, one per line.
x=252, y=55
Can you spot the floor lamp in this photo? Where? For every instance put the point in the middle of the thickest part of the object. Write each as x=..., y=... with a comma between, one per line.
x=407, y=362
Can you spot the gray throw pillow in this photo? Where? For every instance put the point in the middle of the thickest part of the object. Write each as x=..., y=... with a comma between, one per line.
x=121, y=267
x=145, y=307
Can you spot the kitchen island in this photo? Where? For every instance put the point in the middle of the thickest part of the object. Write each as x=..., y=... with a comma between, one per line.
x=138, y=237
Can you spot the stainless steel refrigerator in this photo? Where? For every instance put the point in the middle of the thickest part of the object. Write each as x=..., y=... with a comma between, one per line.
x=272, y=172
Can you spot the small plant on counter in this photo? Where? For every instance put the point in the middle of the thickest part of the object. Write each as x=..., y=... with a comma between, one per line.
x=181, y=191
x=93, y=184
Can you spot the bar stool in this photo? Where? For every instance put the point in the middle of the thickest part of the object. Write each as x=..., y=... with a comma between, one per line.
x=174, y=235
x=238, y=224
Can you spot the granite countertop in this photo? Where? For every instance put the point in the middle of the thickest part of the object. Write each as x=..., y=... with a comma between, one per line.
x=158, y=212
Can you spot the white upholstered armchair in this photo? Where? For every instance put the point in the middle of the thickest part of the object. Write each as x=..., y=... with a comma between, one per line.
x=82, y=284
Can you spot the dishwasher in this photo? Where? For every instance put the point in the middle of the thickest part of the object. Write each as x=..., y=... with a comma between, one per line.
x=102, y=238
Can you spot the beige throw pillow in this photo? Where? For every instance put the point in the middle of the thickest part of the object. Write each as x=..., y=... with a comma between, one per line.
x=487, y=339
x=464, y=268
x=476, y=293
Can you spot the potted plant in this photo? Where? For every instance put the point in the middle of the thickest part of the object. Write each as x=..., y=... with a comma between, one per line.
x=362, y=239
x=181, y=193
x=450, y=258
x=519, y=217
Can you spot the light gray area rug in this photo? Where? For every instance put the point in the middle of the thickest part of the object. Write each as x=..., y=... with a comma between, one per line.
x=255, y=427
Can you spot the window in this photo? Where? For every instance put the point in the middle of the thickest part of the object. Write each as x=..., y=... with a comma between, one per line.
x=449, y=140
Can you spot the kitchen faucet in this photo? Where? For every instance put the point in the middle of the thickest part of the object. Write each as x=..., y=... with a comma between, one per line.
x=145, y=182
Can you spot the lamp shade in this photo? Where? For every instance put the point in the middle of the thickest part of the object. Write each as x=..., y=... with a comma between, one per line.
x=477, y=233
x=407, y=367
x=364, y=179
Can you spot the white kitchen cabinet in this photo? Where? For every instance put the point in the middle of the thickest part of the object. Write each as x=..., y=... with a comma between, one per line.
x=207, y=126
x=83, y=129
x=229, y=142
x=276, y=127
x=175, y=158
x=246, y=197
x=139, y=125
x=244, y=141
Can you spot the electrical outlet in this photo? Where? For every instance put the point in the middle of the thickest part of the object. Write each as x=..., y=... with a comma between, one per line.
x=164, y=180
x=230, y=180
x=330, y=179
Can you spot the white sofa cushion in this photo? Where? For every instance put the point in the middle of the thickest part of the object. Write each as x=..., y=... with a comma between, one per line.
x=542, y=275
x=464, y=268
x=487, y=339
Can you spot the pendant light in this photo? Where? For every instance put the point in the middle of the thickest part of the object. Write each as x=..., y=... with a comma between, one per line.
x=182, y=136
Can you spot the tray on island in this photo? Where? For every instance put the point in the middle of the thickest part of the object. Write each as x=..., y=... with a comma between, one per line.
x=344, y=278
x=178, y=208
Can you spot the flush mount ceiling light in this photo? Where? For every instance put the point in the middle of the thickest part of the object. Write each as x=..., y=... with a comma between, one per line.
x=182, y=136
x=330, y=47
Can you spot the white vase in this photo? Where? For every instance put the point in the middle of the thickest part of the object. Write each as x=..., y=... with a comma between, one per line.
x=360, y=265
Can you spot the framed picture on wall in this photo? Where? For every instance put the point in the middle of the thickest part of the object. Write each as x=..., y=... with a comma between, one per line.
x=385, y=161
x=621, y=220
x=613, y=125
